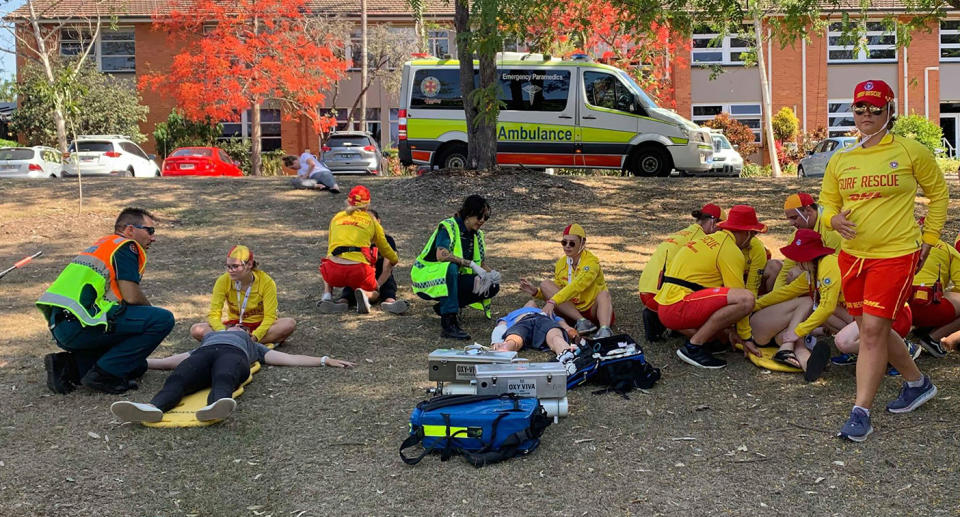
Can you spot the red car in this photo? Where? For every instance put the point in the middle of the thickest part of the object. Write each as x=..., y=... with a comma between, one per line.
x=200, y=161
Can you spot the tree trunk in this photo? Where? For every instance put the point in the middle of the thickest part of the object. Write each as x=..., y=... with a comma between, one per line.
x=256, y=146
x=60, y=123
x=486, y=142
x=461, y=23
x=767, y=112
x=363, y=65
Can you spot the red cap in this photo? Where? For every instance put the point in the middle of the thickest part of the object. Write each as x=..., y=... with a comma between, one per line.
x=713, y=211
x=874, y=92
x=798, y=200
x=742, y=218
x=807, y=245
x=359, y=196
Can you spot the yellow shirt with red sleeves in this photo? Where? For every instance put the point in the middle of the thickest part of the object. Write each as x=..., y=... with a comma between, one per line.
x=261, y=305
x=358, y=229
x=830, y=239
x=879, y=185
x=664, y=255
x=756, y=261
x=828, y=289
x=943, y=263
x=711, y=261
x=581, y=284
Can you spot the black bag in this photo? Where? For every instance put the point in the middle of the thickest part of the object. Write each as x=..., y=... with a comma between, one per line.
x=616, y=362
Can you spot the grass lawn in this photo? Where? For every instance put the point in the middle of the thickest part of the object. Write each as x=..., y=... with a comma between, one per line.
x=320, y=441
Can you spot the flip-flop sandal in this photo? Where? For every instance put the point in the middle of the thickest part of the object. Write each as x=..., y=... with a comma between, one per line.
x=819, y=357
x=785, y=357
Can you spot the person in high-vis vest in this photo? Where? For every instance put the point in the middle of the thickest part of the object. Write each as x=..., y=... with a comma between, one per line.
x=98, y=314
x=703, y=292
x=250, y=297
x=451, y=267
x=350, y=260
x=706, y=223
x=869, y=196
x=578, y=291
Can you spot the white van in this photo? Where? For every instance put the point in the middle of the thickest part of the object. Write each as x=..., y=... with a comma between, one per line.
x=571, y=114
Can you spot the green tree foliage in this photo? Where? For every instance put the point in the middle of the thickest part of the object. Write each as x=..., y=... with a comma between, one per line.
x=785, y=125
x=100, y=104
x=736, y=132
x=178, y=131
x=920, y=129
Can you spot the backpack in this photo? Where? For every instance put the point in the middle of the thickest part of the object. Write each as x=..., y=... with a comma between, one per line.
x=484, y=429
x=616, y=362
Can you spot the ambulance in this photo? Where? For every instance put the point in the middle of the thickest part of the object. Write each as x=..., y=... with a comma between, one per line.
x=555, y=113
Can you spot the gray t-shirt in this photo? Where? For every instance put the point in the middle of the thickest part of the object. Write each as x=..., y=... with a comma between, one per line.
x=255, y=351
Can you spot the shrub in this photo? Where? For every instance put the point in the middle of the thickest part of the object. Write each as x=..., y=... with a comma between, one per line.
x=921, y=130
x=178, y=131
x=948, y=165
x=752, y=170
x=8, y=143
x=785, y=125
x=738, y=133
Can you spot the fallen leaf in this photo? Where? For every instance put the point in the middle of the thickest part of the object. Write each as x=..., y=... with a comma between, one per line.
x=840, y=463
x=649, y=413
x=679, y=464
x=742, y=448
x=369, y=361
x=582, y=440
x=818, y=480
x=683, y=438
x=71, y=480
x=93, y=435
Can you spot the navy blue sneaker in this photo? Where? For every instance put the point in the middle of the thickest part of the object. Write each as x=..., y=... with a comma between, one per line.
x=912, y=398
x=891, y=371
x=844, y=359
x=913, y=349
x=932, y=346
x=698, y=356
x=858, y=427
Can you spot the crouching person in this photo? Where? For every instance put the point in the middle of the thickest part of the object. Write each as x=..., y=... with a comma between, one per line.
x=703, y=291
x=221, y=363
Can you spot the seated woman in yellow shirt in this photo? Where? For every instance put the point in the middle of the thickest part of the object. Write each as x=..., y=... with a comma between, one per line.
x=578, y=291
x=251, y=299
x=789, y=317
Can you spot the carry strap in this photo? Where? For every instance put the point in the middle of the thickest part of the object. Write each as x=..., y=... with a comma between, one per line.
x=340, y=250
x=508, y=449
x=455, y=400
x=693, y=286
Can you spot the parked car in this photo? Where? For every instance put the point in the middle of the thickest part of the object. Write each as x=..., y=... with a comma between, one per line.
x=726, y=159
x=30, y=162
x=108, y=155
x=816, y=160
x=200, y=161
x=354, y=152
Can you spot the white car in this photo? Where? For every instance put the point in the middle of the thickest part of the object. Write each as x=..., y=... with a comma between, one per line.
x=109, y=155
x=30, y=162
x=726, y=160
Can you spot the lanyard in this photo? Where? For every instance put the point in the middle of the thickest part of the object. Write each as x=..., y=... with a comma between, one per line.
x=246, y=297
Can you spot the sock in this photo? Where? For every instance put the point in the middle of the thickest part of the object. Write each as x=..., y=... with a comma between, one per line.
x=605, y=327
x=865, y=410
x=326, y=297
x=916, y=383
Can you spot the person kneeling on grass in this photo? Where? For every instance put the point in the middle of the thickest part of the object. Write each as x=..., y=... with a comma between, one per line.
x=221, y=363
x=578, y=291
x=311, y=173
x=789, y=316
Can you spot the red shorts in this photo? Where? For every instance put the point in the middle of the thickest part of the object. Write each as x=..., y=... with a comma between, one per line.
x=933, y=314
x=250, y=326
x=649, y=302
x=356, y=276
x=694, y=310
x=880, y=286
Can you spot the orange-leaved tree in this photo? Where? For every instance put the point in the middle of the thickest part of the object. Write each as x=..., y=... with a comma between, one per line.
x=243, y=53
x=608, y=33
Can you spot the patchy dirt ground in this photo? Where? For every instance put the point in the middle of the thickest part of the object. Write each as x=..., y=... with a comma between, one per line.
x=739, y=441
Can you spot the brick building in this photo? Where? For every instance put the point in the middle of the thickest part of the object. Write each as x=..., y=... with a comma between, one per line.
x=814, y=77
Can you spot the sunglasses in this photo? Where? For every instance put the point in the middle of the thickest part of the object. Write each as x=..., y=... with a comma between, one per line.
x=150, y=229
x=236, y=267
x=568, y=244
x=861, y=109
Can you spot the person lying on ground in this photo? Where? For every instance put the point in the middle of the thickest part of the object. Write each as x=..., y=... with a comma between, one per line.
x=578, y=291
x=532, y=328
x=221, y=363
x=386, y=284
x=793, y=311
x=250, y=296
x=516, y=315
x=311, y=173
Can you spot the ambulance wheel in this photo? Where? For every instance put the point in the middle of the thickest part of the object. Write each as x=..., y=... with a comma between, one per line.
x=650, y=160
x=453, y=156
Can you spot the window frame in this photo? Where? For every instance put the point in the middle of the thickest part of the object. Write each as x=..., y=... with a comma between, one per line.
x=96, y=52
x=726, y=49
x=947, y=46
x=728, y=109
x=246, y=129
x=835, y=130
x=434, y=38
x=862, y=51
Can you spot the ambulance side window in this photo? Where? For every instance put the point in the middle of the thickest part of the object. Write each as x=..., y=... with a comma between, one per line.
x=438, y=88
x=534, y=90
x=604, y=90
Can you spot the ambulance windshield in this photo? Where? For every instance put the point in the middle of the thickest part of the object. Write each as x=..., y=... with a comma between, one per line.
x=645, y=99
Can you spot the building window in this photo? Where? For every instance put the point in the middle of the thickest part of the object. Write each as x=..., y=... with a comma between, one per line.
x=877, y=44
x=950, y=40
x=747, y=113
x=115, y=51
x=840, y=117
x=438, y=43
x=269, y=128
x=512, y=43
x=708, y=49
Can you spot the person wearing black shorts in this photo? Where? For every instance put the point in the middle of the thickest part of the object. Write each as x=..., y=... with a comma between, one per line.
x=535, y=330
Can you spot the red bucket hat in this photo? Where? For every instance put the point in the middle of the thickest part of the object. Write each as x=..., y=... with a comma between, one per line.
x=359, y=196
x=874, y=91
x=742, y=218
x=806, y=246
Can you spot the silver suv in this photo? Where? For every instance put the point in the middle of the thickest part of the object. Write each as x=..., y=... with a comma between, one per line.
x=108, y=155
x=352, y=152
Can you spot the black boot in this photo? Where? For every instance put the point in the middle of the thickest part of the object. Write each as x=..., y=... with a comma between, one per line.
x=451, y=329
x=61, y=372
x=651, y=325
x=99, y=380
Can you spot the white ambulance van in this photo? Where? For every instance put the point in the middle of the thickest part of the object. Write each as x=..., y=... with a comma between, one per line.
x=570, y=114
